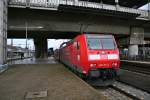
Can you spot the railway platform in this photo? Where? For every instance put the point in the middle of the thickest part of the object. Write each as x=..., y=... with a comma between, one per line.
x=44, y=80
x=49, y=60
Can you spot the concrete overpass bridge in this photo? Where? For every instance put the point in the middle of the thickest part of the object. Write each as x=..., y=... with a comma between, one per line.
x=74, y=16
x=42, y=19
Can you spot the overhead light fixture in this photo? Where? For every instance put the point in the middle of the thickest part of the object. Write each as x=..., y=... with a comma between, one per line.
x=140, y=18
x=23, y=27
x=40, y=27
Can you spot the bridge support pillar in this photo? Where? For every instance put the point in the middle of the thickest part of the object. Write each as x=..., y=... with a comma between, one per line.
x=117, y=4
x=3, y=35
x=41, y=49
x=149, y=15
x=136, y=38
x=76, y=2
x=133, y=51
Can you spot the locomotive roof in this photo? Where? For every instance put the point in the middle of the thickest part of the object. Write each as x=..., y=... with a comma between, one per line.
x=98, y=36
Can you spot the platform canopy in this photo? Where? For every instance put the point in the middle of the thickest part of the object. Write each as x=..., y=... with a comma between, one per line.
x=126, y=3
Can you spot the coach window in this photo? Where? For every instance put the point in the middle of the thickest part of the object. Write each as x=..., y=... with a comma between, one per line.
x=78, y=45
x=75, y=44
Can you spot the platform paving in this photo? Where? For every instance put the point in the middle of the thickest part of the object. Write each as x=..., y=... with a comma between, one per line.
x=53, y=80
x=49, y=60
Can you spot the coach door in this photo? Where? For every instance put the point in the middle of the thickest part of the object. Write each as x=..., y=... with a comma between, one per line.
x=78, y=52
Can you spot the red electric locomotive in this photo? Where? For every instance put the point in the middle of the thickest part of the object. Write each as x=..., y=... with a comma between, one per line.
x=92, y=56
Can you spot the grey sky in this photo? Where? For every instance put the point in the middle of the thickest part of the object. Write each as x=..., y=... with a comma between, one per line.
x=145, y=7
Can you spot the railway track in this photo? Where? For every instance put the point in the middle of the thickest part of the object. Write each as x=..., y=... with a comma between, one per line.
x=121, y=91
x=136, y=67
x=143, y=70
x=136, y=74
x=136, y=79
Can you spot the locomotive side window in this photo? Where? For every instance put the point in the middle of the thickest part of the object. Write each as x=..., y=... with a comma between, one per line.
x=77, y=45
x=108, y=43
x=94, y=43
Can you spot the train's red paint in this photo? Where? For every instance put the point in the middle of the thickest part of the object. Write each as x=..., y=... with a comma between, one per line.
x=91, y=55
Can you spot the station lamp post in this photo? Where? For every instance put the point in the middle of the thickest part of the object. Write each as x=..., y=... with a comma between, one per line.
x=12, y=42
x=116, y=1
x=117, y=4
x=148, y=9
x=11, y=52
x=26, y=26
x=30, y=27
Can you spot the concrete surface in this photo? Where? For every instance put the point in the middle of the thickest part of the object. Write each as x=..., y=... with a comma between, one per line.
x=3, y=68
x=60, y=83
x=49, y=60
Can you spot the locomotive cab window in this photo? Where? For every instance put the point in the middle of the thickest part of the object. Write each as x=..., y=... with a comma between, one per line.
x=101, y=43
x=108, y=43
x=94, y=43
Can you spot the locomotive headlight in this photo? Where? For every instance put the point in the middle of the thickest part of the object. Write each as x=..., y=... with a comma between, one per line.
x=113, y=56
x=92, y=65
x=94, y=57
x=114, y=64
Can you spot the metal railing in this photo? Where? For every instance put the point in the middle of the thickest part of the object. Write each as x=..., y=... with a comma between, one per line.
x=48, y=4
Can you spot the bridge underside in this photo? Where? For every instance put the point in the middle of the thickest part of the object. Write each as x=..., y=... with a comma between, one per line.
x=76, y=9
x=64, y=25
x=48, y=34
x=54, y=34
